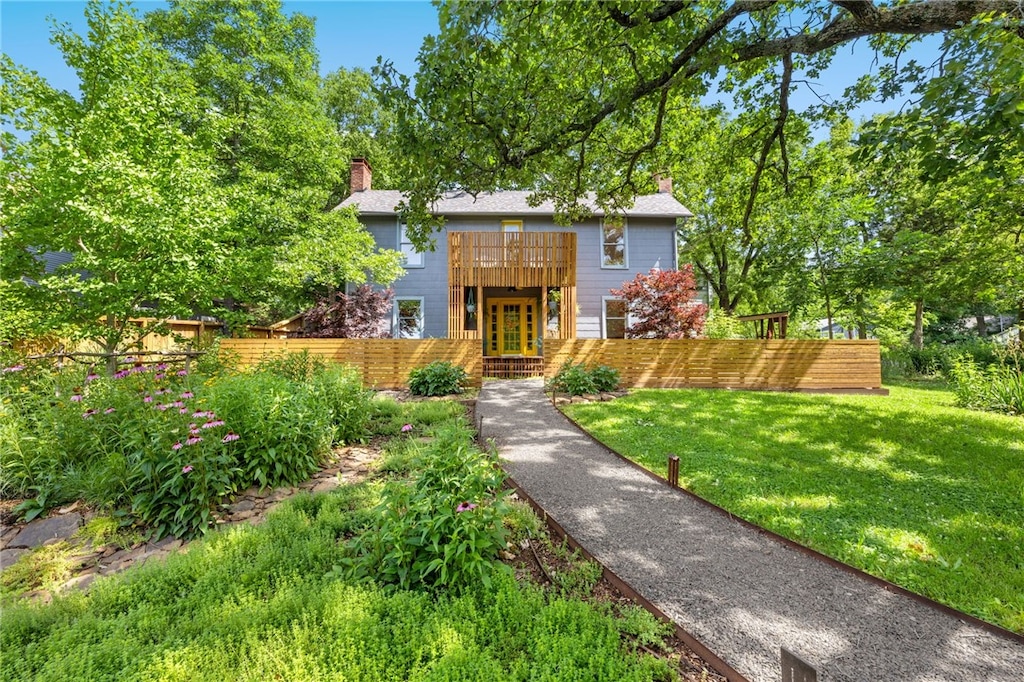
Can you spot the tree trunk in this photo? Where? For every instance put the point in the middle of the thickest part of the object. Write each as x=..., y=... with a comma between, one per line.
x=110, y=345
x=862, y=323
x=1020, y=320
x=917, y=339
x=982, y=329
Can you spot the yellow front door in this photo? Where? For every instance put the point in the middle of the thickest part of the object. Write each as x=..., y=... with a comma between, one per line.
x=511, y=325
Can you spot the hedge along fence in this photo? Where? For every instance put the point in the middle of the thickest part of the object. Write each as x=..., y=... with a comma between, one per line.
x=382, y=363
x=782, y=365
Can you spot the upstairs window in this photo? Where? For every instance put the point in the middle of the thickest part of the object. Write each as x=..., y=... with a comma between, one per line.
x=613, y=245
x=410, y=256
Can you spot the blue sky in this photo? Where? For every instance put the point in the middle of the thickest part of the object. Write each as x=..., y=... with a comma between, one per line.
x=349, y=34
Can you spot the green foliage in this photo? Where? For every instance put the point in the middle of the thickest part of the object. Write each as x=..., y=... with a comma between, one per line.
x=441, y=530
x=577, y=379
x=999, y=387
x=907, y=487
x=645, y=629
x=521, y=522
x=45, y=567
x=166, y=446
x=438, y=378
x=111, y=177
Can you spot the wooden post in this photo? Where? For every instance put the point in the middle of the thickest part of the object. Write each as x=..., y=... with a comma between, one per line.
x=673, y=471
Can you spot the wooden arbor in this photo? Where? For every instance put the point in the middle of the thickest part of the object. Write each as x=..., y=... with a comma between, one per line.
x=768, y=325
x=516, y=260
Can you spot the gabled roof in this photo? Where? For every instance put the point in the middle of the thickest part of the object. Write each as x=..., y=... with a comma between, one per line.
x=508, y=203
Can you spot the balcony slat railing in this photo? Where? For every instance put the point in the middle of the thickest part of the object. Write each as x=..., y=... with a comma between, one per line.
x=512, y=259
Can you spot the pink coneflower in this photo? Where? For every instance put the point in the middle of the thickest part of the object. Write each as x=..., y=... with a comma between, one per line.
x=182, y=372
x=183, y=410
x=465, y=506
x=186, y=469
x=178, y=403
x=91, y=377
x=176, y=446
x=159, y=375
x=76, y=398
x=148, y=398
x=89, y=413
x=212, y=424
x=161, y=366
x=108, y=410
x=407, y=428
x=122, y=374
x=200, y=415
x=187, y=394
x=14, y=368
x=162, y=407
x=193, y=440
x=230, y=437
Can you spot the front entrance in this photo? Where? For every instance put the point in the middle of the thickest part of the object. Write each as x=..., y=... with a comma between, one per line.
x=511, y=327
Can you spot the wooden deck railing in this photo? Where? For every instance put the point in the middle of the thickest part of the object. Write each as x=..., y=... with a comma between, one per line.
x=512, y=259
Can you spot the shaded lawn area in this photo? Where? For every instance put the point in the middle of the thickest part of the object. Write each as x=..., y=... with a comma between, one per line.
x=907, y=487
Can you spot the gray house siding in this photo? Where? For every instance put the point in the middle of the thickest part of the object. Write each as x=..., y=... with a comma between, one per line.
x=650, y=242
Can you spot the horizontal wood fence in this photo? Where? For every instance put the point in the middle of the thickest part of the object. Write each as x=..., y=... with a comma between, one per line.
x=784, y=364
x=383, y=363
x=181, y=334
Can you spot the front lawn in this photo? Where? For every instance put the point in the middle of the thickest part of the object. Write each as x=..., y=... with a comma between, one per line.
x=907, y=487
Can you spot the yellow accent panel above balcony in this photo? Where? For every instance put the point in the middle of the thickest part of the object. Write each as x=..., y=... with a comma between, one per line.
x=512, y=259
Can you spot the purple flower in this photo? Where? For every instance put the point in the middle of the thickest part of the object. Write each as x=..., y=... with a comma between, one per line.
x=187, y=394
x=159, y=376
x=14, y=368
x=182, y=372
x=176, y=446
x=76, y=398
x=178, y=403
x=211, y=424
x=465, y=506
x=187, y=468
x=92, y=377
x=193, y=440
x=161, y=366
x=139, y=368
x=108, y=410
x=407, y=428
x=89, y=413
x=162, y=407
x=122, y=374
x=199, y=415
x=183, y=410
x=230, y=437
x=148, y=398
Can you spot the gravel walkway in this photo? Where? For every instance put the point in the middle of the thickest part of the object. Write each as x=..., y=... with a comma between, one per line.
x=741, y=593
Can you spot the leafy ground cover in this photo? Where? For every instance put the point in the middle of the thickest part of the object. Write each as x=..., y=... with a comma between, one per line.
x=290, y=599
x=907, y=487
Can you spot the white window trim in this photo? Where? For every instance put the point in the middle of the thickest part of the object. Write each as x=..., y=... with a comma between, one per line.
x=604, y=311
x=625, y=248
x=396, y=326
x=401, y=242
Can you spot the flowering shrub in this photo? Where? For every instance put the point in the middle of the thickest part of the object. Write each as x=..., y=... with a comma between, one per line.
x=445, y=529
x=165, y=445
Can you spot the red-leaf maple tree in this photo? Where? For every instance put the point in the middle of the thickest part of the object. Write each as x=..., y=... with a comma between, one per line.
x=663, y=305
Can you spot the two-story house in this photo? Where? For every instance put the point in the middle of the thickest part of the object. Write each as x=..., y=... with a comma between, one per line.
x=505, y=273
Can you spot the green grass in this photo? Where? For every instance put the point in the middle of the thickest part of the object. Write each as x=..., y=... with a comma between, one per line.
x=907, y=487
x=263, y=603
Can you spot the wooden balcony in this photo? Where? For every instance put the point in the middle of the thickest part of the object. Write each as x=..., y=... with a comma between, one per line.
x=512, y=259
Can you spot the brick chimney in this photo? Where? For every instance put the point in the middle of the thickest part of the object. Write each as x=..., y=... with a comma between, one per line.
x=664, y=183
x=362, y=175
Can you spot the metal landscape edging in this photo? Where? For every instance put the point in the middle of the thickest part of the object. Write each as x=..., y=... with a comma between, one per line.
x=711, y=658
x=880, y=582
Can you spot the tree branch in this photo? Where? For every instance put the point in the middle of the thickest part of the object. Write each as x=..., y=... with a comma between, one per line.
x=664, y=12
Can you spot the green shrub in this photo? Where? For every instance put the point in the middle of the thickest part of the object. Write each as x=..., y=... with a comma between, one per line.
x=577, y=379
x=284, y=429
x=443, y=529
x=438, y=378
x=292, y=366
x=605, y=378
x=999, y=387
